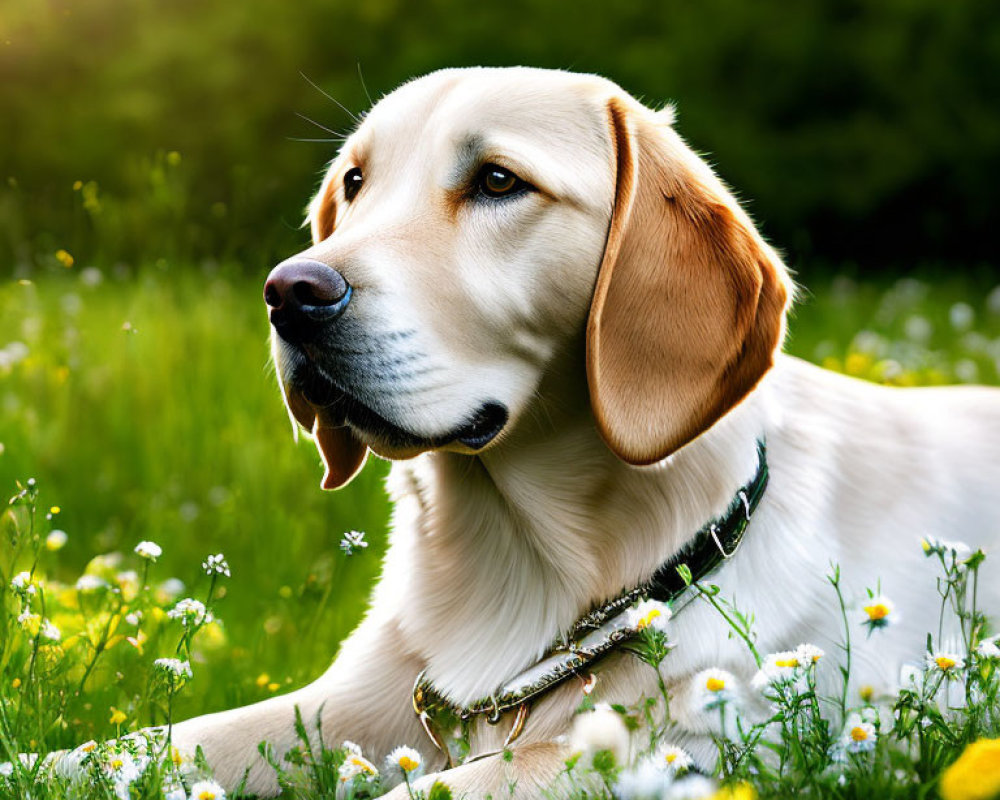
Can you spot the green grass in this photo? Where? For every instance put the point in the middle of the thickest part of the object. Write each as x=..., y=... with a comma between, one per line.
x=146, y=410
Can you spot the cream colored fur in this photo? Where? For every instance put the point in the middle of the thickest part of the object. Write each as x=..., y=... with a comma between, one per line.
x=493, y=554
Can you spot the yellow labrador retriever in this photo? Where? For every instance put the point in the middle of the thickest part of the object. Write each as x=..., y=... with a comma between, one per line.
x=527, y=291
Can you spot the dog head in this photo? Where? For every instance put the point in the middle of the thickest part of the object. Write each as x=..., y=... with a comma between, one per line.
x=478, y=224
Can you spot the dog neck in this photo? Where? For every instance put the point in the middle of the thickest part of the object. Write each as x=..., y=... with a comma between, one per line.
x=506, y=550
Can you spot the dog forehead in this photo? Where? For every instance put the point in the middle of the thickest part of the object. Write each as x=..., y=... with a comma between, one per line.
x=560, y=111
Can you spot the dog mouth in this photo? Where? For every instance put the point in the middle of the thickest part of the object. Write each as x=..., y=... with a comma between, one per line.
x=318, y=402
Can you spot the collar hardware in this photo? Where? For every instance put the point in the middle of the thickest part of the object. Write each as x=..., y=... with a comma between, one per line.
x=600, y=631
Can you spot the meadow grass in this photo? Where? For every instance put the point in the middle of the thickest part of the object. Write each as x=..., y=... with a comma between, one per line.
x=144, y=410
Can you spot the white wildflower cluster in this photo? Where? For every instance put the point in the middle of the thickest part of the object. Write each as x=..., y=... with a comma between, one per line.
x=355, y=765
x=352, y=540
x=190, y=612
x=174, y=670
x=90, y=583
x=119, y=764
x=148, y=550
x=216, y=565
x=656, y=776
x=23, y=585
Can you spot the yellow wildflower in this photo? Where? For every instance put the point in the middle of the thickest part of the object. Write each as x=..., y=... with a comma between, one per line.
x=117, y=716
x=64, y=258
x=263, y=680
x=976, y=773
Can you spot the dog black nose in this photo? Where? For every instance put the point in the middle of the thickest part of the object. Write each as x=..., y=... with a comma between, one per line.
x=303, y=296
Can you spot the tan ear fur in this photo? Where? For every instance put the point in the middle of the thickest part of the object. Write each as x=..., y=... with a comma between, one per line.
x=688, y=309
x=323, y=212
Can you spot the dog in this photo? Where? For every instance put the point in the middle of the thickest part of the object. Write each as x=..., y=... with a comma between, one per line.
x=534, y=298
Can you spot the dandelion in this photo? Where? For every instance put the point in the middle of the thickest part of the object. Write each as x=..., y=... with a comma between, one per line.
x=673, y=758
x=351, y=540
x=216, y=565
x=975, y=775
x=148, y=550
x=117, y=716
x=879, y=613
x=859, y=735
x=989, y=648
x=714, y=687
x=23, y=585
x=650, y=614
x=190, y=612
x=947, y=663
x=64, y=258
x=405, y=759
x=56, y=540
x=90, y=583
x=207, y=790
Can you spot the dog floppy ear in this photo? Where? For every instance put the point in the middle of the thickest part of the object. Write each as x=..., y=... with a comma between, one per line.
x=688, y=309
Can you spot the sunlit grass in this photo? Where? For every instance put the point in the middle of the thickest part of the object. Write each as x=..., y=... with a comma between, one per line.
x=145, y=409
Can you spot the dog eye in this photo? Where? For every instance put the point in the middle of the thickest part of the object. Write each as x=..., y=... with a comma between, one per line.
x=352, y=182
x=496, y=181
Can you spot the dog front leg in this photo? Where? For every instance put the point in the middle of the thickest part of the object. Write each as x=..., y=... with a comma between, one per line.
x=532, y=771
x=364, y=697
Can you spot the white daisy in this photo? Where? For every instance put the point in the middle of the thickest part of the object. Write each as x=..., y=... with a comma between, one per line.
x=649, y=614
x=597, y=730
x=859, y=736
x=404, y=760
x=880, y=612
x=207, y=790
x=989, y=648
x=672, y=758
x=647, y=780
x=779, y=668
x=948, y=663
x=809, y=654
x=148, y=550
x=713, y=688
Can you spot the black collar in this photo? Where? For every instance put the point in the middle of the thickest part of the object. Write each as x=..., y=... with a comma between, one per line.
x=598, y=632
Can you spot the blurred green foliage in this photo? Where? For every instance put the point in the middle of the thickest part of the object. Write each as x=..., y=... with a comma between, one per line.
x=855, y=130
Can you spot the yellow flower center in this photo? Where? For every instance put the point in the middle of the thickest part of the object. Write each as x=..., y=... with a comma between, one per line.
x=714, y=684
x=408, y=764
x=671, y=757
x=786, y=662
x=877, y=611
x=117, y=764
x=859, y=734
x=647, y=620
x=206, y=794
x=364, y=765
x=945, y=662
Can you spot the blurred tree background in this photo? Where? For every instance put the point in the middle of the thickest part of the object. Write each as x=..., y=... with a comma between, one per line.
x=856, y=131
